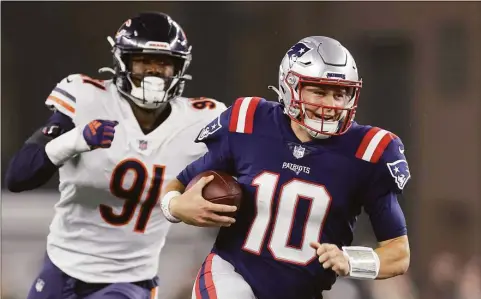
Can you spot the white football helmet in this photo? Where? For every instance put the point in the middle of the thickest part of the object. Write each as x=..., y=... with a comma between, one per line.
x=318, y=60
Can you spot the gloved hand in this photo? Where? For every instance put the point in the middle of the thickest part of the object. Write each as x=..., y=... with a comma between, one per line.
x=99, y=133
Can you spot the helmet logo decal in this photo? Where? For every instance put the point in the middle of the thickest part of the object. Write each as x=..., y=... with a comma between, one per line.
x=157, y=45
x=297, y=51
x=330, y=75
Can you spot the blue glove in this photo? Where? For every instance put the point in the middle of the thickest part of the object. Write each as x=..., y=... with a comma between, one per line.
x=99, y=133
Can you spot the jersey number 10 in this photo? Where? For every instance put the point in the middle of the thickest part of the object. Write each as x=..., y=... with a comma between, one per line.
x=283, y=221
x=133, y=194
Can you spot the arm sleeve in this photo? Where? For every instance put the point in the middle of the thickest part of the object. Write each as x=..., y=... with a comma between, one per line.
x=30, y=167
x=216, y=137
x=390, y=176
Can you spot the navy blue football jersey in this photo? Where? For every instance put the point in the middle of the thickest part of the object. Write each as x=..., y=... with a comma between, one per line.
x=296, y=193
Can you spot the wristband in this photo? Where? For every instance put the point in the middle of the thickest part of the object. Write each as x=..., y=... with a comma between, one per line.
x=165, y=205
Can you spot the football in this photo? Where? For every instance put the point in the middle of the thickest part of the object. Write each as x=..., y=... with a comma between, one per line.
x=223, y=189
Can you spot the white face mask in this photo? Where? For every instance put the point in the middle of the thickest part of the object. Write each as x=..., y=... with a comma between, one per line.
x=152, y=90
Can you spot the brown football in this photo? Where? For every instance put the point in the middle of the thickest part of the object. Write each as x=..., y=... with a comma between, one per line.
x=223, y=189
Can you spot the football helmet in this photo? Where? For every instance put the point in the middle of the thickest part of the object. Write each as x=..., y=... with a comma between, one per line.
x=150, y=33
x=319, y=60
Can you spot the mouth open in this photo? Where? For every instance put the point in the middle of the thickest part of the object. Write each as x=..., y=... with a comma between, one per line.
x=320, y=117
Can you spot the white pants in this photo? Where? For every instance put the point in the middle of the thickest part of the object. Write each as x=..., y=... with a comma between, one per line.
x=184, y=251
x=217, y=279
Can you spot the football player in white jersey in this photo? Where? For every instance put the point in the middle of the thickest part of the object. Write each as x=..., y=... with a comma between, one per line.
x=115, y=143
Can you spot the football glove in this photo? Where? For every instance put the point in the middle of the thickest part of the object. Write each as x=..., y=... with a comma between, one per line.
x=99, y=133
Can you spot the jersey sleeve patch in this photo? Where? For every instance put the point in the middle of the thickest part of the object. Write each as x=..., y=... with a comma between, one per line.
x=209, y=130
x=216, y=128
x=399, y=170
x=242, y=118
x=397, y=164
x=374, y=144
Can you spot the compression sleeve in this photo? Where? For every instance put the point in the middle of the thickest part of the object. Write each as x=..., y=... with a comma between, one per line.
x=30, y=167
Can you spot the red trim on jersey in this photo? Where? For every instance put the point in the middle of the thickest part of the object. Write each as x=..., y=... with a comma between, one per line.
x=235, y=115
x=365, y=142
x=198, y=295
x=249, y=123
x=381, y=147
x=209, y=283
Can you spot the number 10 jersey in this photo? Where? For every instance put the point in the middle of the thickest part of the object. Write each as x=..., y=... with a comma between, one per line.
x=296, y=193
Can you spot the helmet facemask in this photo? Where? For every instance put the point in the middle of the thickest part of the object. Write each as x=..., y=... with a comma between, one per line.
x=147, y=88
x=325, y=121
x=150, y=34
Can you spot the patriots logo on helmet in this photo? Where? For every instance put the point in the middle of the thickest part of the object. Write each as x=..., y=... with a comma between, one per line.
x=297, y=51
x=400, y=172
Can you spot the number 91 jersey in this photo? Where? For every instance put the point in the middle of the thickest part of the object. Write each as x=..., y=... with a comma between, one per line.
x=108, y=225
x=296, y=193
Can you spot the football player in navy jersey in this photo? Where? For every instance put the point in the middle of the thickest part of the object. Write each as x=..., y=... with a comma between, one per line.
x=306, y=170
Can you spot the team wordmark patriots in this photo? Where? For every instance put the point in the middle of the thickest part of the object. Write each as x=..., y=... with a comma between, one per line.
x=296, y=168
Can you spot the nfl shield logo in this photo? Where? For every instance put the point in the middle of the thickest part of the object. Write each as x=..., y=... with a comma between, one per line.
x=298, y=152
x=143, y=145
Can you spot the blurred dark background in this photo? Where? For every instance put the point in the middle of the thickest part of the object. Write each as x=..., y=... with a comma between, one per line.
x=421, y=67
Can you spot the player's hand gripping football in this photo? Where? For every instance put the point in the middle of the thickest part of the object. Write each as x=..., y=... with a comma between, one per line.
x=99, y=133
x=193, y=209
x=330, y=256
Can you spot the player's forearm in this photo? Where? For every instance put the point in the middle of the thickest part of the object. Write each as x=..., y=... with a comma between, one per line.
x=30, y=168
x=174, y=185
x=394, y=257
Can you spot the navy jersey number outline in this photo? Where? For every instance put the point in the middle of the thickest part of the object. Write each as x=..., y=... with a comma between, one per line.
x=133, y=195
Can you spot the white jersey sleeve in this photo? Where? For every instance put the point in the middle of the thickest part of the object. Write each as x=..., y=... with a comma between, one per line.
x=65, y=95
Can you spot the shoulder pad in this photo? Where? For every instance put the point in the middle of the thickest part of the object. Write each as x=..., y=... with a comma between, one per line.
x=206, y=107
x=383, y=147
x=216, y=129
x=243, y=112
x=373, y=144
x=64, y=96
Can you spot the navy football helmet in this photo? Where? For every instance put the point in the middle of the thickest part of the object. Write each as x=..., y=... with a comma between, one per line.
x=150, y=33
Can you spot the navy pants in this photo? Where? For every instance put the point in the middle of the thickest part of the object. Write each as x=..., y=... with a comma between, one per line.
x=52, y=283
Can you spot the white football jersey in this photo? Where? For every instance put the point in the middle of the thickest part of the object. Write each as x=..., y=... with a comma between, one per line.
x=108, y=225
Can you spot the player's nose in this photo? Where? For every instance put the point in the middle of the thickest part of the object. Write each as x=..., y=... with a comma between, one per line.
x=327, y=104
x=157, y=70
x=328, y=99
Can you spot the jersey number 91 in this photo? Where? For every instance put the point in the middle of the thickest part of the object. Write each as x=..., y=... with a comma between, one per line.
x=133, y=194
